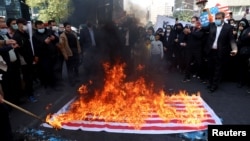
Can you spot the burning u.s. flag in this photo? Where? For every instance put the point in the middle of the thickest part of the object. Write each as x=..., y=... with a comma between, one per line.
x=133, y=107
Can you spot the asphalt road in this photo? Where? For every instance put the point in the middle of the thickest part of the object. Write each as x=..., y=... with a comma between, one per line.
x=230, y=103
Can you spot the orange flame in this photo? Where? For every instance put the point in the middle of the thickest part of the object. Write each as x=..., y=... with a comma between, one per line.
x=130, y=102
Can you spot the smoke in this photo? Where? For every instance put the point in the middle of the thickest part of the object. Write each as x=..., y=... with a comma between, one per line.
x=83, y=10
x=137, y=11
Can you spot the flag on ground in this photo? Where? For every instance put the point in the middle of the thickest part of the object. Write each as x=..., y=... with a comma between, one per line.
x=154, y=124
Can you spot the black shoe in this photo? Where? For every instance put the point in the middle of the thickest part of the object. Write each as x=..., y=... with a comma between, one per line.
x=213, y=89
x=186, y=80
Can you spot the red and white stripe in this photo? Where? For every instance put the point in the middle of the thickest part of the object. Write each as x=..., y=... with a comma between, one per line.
x=224, y=9
x=153, y=125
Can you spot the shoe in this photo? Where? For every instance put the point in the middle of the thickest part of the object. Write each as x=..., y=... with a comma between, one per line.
x=32, y=99
x=213, y=89
x=203, y=81
x=186, y=80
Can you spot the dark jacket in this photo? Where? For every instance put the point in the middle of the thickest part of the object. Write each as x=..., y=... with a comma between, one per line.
x=25, y=49
x=225, y=41
x=4, y=52
x=195, y=39
x=41, y=48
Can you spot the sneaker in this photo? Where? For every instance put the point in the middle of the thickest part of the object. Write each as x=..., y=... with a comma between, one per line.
x=32, y=99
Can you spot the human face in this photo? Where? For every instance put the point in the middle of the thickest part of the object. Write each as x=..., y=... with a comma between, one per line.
x=13, y=25
x=157, y=37
x=193, y=20
x=3, y=28
x=61, y=28
x=219, y=17
x=40, y=26
x=68, y=28
x=2, y=22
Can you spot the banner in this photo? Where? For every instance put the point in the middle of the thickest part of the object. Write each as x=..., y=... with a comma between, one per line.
x=162, y=21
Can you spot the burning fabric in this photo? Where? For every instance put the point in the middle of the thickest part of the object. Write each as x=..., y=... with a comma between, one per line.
x=133, y=107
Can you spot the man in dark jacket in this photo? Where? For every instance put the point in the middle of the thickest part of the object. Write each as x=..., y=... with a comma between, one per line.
x=194, y=48
x=220, y=45
x=45, y=49
x=26, y=56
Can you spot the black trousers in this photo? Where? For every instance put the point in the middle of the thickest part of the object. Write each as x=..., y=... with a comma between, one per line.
x=215, y=66
x=5, y=126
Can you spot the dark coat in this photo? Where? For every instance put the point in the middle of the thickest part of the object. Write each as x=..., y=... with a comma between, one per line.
x=25, y=49
x=225, y=39
x=41, y=48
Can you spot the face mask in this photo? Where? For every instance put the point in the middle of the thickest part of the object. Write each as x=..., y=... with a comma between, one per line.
x=54, y=28
x=15, y=27
x=41, y=30
x=3, y=31
x=25, y=28
x=193, y=25
x=218, y=22
x=61, y=29
x=168, y=30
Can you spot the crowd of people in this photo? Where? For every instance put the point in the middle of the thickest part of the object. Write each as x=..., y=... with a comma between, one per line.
x=213, y=53
x=30, y=53
x=35, y=52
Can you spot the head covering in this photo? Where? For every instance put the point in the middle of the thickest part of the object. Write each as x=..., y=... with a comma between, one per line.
x=243, y=23
x=159, y=30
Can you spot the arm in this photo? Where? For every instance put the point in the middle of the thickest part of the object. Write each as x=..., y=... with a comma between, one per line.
x=246, y=35
x=1, y=98
x=198, y=35
x=7, y=42
x=162, y=51
x=233, y=44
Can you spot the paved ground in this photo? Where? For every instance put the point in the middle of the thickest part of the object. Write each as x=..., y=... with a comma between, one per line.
x=230, y=103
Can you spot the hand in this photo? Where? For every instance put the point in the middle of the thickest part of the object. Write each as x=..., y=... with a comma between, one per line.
x=249, y=34
x=47, y=40
x=176, y=40
x=10, y=42
x=187, y=30
x=233, y=53
x=52, y=37
x=183, y=44
x=36, y=59
x=165, y=49
x=234, y=32
x=1, y=98
x=15, y=46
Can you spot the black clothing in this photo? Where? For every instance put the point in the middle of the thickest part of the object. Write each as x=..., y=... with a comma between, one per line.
x=71, y=40
x=5, y=126
x=218, y=58
x=47, y=54
x=194, y=51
